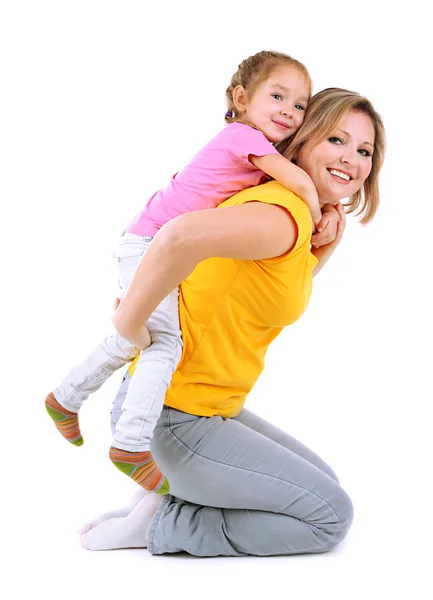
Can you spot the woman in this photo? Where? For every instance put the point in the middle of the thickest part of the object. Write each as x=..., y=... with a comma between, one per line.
x=239, y=485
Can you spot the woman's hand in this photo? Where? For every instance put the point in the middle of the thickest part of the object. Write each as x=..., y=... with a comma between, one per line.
x=324, y=253
x=141, y=338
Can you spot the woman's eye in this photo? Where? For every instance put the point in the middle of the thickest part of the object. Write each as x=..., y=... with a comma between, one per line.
x=277, y=96
x=364, y=152
x=299, y=107
x=335, y=140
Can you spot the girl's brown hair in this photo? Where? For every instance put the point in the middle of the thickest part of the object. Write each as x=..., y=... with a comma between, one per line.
x=323, y=115
x=254, y=71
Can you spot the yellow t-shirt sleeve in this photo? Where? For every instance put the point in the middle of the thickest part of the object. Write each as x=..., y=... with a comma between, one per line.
x=273, y=192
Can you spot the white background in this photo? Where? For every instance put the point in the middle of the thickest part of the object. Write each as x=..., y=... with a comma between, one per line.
x=101, y=102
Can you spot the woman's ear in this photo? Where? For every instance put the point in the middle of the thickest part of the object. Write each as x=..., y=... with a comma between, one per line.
x=240, y=99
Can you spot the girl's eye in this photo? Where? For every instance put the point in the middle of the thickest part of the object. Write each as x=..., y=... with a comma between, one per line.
x=299, y=107
x=277, y=96
x=364, y=152
x=335, y=140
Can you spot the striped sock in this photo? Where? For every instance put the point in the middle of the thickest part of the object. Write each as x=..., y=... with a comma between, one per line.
x=141, y=467
x=65, y=421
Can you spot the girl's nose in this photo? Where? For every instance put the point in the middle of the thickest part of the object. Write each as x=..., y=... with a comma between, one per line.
x=287, y=111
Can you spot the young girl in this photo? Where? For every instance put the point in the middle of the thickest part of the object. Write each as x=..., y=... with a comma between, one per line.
x=266, y=101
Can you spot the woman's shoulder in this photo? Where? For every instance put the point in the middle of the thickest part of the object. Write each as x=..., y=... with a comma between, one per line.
x=273, y=192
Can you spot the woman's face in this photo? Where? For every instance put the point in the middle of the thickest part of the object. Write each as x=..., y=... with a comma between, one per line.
x=340, y=164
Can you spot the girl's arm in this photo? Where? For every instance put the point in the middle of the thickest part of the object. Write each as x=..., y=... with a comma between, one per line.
x=250, y=231
x=324, y=253
x=293, y=178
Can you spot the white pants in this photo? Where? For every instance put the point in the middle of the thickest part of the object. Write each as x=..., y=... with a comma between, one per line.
x=145, y=397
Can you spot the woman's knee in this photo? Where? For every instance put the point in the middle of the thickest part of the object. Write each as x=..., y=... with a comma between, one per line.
x=327, y=469
x=343, y=509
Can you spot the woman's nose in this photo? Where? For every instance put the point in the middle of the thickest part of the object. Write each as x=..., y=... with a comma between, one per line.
x=349, y=157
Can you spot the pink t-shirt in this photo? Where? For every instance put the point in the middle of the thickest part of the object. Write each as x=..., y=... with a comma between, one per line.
x=219, y=170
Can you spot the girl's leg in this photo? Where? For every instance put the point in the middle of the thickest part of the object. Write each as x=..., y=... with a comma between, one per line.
x=112, y=354
x=65, y=401
x=145, y=392
x=116, y=410
x=144, y=399
x=124, y=510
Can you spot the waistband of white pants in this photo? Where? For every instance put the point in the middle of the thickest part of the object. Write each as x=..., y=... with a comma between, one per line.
x=134, y=236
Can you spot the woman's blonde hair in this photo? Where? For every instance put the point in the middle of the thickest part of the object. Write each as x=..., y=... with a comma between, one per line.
x=323, y=115
x=324, y=112
x=254, y=71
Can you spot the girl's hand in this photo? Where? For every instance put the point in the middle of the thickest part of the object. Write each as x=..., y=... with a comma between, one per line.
x=341, y=226
x=327, y=228
x=325, y=252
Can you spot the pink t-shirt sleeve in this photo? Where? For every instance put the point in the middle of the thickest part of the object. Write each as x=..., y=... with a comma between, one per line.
x=246, y=142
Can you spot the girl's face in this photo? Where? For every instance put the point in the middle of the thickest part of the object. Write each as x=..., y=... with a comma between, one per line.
x=278, y=106
x=340, y=164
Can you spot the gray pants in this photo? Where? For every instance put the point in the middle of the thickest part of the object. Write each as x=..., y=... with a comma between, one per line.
x=241, y=487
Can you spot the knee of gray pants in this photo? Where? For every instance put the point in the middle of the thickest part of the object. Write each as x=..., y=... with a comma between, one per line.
x=332, y=536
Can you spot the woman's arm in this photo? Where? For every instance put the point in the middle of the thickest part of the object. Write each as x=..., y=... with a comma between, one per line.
x=324, y=253
x=250, y=231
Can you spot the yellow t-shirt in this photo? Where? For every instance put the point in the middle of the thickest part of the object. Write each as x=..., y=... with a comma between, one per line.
x=231, y=310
